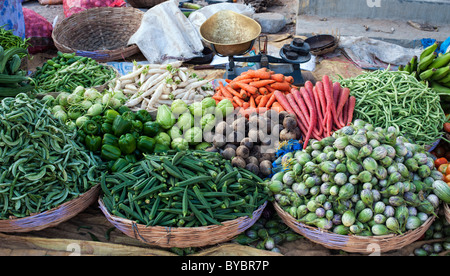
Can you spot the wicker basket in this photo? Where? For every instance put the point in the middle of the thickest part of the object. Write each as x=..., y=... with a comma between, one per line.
x=183, y=236
x=447, y=212
x=100, y=33
x=145, y=4
x=53, y=216
x=353, y=243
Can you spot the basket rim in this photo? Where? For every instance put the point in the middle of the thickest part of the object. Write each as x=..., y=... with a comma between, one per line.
x=285, y=215
x=173, y=231
x=92, y=193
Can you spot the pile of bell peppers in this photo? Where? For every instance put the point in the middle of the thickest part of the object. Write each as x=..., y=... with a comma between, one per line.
x=121, y=136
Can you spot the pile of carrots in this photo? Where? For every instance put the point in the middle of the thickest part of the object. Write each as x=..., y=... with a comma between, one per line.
x=320, y=109
x=254, y=90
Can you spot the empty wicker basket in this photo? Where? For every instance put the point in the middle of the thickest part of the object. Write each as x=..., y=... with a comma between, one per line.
x=183, y=236
x=146, y=4
x=354, y=243
x=51, y=217
x=100, y=33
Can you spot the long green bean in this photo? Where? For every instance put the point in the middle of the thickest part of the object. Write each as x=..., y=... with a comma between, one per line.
x=398, y=99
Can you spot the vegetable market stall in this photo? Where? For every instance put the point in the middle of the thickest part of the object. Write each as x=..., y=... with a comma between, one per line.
x=110, y=130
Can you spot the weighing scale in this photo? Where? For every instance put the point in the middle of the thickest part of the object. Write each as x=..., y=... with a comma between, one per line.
x=233, y=35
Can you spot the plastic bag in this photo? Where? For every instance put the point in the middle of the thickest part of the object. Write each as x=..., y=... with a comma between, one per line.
x=75, y=6
x=166, y=35
x=11, y=17
x=38, y=30
x=375, y=54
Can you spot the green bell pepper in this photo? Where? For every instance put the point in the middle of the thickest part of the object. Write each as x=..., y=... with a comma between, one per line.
x=110, y=152
x=122, y=109
x=151, y=129
x=143, y=116
x=109, y=139
x=106, y=128
x=129, y=115
x=121, y=126
x=127, y=143
x=91, y=127
x=109, y=115
x=81, y=135
x=138, y=126
x=93, y=143
x=119, y=164
x=159, y=148
x=146, y=144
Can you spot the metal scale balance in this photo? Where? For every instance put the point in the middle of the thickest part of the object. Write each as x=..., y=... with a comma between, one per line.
x=233, y=35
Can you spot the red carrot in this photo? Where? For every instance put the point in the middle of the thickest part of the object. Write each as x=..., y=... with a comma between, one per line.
x=281, y=98
x=330, y=102
x=344, y=114
x=343, y=98
x=298, y=98
x=351, y=108
x=319, y=111
x=301, y=124
x=323, y=104
x=312, y=119
x=309, y=88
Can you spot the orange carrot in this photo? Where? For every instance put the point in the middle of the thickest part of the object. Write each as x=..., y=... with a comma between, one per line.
x=271, y=100
x=216, y=97
x=252, y=102
x=278, y=77
x=270, y=89
x=263, y=91
x=282, y=86
x=289, y=79
x=277, y=107
x=228, y=80
x=232, y=91
x=261, y=83
x=243, y=94
x=245, y=105
x=258, y=99
x=263, y=101
x=238, y=100
x=250, y=89
x=262, y=74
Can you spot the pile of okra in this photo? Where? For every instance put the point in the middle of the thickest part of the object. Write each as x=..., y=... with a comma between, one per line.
x=182, y=189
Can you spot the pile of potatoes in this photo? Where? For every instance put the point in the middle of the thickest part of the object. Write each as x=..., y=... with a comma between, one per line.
x=252, y=142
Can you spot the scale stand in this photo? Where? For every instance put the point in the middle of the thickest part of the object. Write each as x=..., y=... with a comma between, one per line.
x=292, y=55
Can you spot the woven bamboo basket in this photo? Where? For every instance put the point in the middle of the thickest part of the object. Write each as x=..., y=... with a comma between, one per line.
x=183, y=236
x=100, y=33
x=145, y=4
x=52, y=217
x=353, y=243
x=447, y=212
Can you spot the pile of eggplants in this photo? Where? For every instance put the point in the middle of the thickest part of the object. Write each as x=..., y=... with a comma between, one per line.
x=361, y=180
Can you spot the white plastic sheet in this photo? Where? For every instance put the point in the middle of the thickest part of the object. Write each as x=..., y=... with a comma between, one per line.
x=166, y=35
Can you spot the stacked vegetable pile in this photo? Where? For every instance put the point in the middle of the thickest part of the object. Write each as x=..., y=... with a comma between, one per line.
x=362, y=180
x=152, y=85
x=396, y=99
x=253, y=90
x=432, y=68
x=41, y=165
x=320, y=109
x=251, y=142
x=9, y=40
x=67, y=71
x=182, y=189
x=12, y=80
